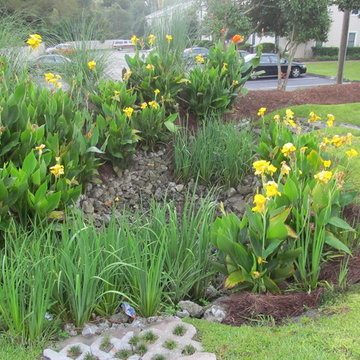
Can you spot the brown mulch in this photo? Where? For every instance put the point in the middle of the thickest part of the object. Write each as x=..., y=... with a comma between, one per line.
x=248, y=106
x=245, y=307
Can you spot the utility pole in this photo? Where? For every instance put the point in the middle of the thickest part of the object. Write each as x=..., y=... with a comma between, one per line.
x=343, y=45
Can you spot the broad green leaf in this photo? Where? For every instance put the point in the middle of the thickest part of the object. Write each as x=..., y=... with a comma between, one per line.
x=234, y=278
x=53, y=201
x=271, y=285
x=29, y=163
x=291, y=191
x=331, y=240
x=3, y=191
x=340, y=223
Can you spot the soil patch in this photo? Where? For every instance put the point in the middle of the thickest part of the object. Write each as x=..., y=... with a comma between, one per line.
x=249, y=308
x=248, y=106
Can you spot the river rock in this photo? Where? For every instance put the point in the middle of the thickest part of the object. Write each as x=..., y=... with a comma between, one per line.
x=192, y=308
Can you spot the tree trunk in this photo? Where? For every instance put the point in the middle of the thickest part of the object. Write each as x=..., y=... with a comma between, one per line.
x=343, y=44
x=292, y=52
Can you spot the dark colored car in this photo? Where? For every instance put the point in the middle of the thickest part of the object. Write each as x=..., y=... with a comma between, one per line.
x=268, y=64
x=49, y=62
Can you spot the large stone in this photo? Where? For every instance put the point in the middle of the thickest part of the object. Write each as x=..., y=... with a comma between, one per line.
x=89, y=330
x=192, y=308
x=244, y=189
x=215, y=313
x=238, y=203
x=120, y=318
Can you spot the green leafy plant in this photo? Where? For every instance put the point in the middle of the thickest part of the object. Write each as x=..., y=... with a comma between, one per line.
x=214, y=84
x=123, y=354
x=179, y=330
x=89, y=356
x=141, y=349
x=106, y=344
x=188, y=350
x=74, y=352
x=159, y=357
x=149, y=337
x=169, y=344
x=218, y=153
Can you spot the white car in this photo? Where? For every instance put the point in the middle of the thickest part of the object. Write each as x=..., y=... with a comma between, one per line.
x=122, y=44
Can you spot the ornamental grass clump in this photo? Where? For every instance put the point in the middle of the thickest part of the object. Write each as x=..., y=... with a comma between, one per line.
x=219, y=153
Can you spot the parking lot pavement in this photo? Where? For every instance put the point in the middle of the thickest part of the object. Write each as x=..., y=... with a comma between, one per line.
x=293, y=84
x=116, y=63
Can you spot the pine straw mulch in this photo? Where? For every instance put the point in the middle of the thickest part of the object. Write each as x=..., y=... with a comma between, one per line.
x=247, y=308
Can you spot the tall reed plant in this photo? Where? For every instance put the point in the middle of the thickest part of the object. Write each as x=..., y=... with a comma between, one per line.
x=27, y=282
x=219, y=153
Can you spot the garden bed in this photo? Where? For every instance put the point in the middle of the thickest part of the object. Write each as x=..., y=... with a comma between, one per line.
x=247, y=106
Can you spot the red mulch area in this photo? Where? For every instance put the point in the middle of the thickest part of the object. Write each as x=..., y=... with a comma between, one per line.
x=247, y=308
x=248, y=106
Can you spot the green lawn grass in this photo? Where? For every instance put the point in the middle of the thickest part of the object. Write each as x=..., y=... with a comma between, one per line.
x=329, y=68
x=333, y=336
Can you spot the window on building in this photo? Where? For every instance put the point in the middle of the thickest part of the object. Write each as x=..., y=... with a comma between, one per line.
x=351, y=39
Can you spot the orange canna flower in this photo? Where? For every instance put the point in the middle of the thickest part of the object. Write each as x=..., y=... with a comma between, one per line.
x=237, y=38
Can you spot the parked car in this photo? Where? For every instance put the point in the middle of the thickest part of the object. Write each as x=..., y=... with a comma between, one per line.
x=63, y=49
x=50, y=62
x=268, y=64
x=122, y=44
x=243, y=53
x=191, y=53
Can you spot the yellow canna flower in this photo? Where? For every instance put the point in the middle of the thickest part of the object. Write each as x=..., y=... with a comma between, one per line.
x=271, y=169
x=260, y=260
x=116, y=199
x=57, y=170
x=48, y=76
x=291, y=122
x=289, y=113
x=331, y=117
x=323, y=176
x=34, y=41
x=327, y=163
x=40, y=148
x=127, y=74
x=303, y=149
x=277, y=118
x=150, y=67
x=58, y=84
x=288, y=148
x=261, y=166
x=225, y=65
x=168, y=37
x=348, y=138
x=157, y=91
x=153, y=104
x=128, y=111
x=313, y=117
x=352, y=153
x=143, y=105
x=256, y=274
x=116, y=92
x=259, y=201
x=271, y=188
x=338, y=140
x=151, y=39
x=134, y=39
x=285, y=169
x=330, y=123
x=199, y=59
x=92, y=65
x=262, y=111
x=235, y=82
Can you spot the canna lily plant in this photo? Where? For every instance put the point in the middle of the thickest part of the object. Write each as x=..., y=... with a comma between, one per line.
x=254, y=251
